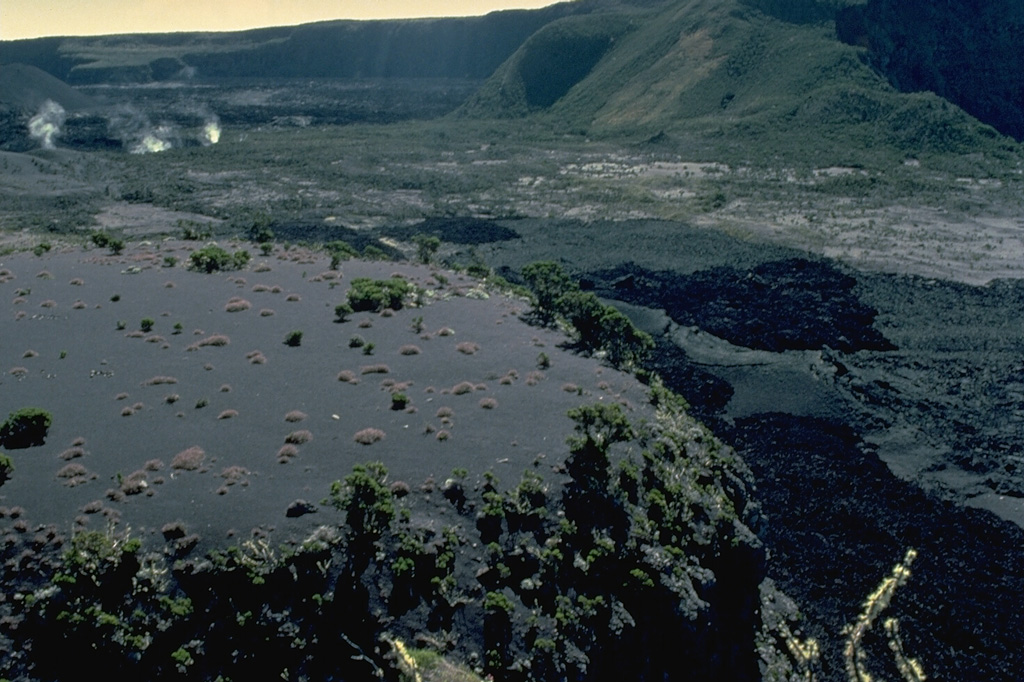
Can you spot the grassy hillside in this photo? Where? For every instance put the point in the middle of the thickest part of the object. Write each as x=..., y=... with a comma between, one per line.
x=765, y=78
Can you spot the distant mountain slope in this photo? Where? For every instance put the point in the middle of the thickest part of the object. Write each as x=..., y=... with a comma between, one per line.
x=26, y=88
x=734, y=68
x=468, y=47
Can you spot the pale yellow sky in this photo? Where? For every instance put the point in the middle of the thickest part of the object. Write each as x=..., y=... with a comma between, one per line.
x=35, y=18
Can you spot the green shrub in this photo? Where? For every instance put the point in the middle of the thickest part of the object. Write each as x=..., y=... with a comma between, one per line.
x=6, y=467
x=212, y=258
x=367, y=502
x=377, y=294
x=426, y=247
x=342, y=311
x=293, y=339
x=146, y=324
x=25, y=428
x=399, y=401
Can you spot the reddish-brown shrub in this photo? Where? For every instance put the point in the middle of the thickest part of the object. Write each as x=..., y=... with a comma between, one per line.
x=467, y=347
x=72, y=470
x=444, y=412
x=189, y=460
x=217, y=340
x=234, y=474
x=18, y=372
x=299, y=437
x=237, y=305
x=443, y=435
x=368, y=436
x=488, y=403
x=266, y=312
x=73, y=452
x=462, y=388
x=287, y=452
x=409, y=349
x=374, y=369
x=158, y=380
x=445, y=331
x=347, y=376
x=134, y=483
x=153, y=465
x=227, y=414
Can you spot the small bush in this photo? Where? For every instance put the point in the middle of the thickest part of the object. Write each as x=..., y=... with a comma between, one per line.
x=228, y=414
x=368, y=436
x=6, y=467
x=217, y=341
x=488, y=403
x=399, y=401
x=73, y=470
x=146, y=325
x=293, y=339
x=375, y=369
x=409, y=350
x=342, y=311
x=73, y=452
x=347, y=376
x=298, y=437
x=356, y=341
x=158, y=380
x=237, y=305
x=295, y=416
x=463, y=387
x=189, y=460
x=467, y=347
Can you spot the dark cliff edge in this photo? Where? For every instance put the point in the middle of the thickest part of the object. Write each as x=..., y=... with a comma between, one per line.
x=965, y=51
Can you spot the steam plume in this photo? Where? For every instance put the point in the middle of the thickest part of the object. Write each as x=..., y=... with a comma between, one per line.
x=138, y=134
x=45, y=126
x=211, y=131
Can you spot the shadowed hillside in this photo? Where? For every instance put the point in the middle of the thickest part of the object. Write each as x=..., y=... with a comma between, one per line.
x=966, y=51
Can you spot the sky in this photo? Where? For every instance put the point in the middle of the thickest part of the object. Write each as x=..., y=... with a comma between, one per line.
x=35, y=18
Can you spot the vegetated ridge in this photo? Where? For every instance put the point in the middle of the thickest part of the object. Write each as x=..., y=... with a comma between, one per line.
x=733, y=69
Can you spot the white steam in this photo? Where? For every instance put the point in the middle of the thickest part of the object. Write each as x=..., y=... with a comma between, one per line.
x=45, y=126
x=139, y=135
x=211, y=131
x=156, y=140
